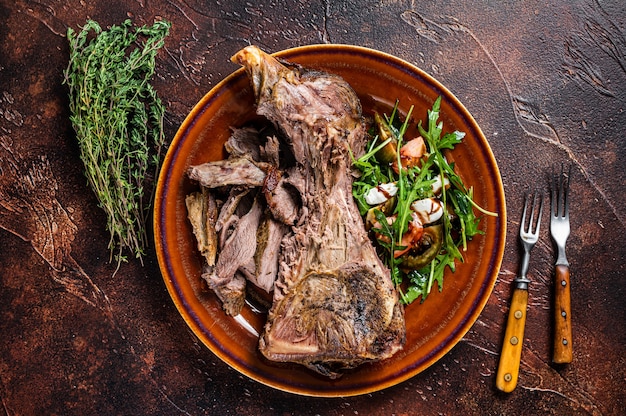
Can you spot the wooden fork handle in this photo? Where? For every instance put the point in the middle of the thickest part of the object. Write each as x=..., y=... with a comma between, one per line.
x=508, y=369
x=562, y=317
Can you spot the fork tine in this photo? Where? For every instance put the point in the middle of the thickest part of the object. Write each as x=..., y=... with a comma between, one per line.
x=540, y=196
x=554, y=187
x=566, y=191
x=561, y=196
x=559, y=205
x=522, y=226
x=532, y=214
x=534, y=201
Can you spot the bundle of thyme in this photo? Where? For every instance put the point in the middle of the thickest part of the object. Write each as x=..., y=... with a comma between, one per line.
x=118, y=119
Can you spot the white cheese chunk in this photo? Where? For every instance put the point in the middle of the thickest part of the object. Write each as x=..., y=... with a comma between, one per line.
x=381, y=193
x=436, y=186
x=428, y=210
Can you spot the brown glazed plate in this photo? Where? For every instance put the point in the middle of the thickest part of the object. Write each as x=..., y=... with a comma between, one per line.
x=433, y=327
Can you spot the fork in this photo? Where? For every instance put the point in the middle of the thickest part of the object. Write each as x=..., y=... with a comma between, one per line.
x=508, y=368
x=559, y=229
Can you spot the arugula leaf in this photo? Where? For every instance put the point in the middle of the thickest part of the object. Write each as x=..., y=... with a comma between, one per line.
x=449, y=140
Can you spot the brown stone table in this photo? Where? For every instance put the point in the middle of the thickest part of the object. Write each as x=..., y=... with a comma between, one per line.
x=546, y=81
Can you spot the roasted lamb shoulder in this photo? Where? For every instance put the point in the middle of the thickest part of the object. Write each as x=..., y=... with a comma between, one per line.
x=334, y=303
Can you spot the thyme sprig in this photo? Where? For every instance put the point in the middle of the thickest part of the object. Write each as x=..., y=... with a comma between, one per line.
x=118, y=120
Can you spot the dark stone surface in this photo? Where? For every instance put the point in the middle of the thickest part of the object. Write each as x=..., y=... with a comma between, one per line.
x=545, y=80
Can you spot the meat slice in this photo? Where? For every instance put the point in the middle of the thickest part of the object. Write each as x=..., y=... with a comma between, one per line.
x=283, y=199
x=334, y=304
x=236, y=171
x=228, y=216
x=202, y=213
x=231, y=292
x=244, y=142
x=237, y=250
x=270, y=151
x=262, y=269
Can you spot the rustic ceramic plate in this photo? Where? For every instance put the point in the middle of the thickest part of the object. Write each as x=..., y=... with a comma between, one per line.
x=433, y=327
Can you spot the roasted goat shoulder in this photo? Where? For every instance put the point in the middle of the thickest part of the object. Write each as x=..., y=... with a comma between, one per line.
x=334, y=304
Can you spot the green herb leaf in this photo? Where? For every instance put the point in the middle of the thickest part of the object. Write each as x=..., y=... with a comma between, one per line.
x=118, y=120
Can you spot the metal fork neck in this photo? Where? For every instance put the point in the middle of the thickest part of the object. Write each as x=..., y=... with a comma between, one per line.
x=521, y=280
x=521, y=283
x=561, y=259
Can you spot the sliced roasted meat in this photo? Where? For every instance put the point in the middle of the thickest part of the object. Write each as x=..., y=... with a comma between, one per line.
x=334, y=303
x=282, y=198
x=262, y=269
x=228, y=215
x=202, y=213
x=270, y=151
x=230, y=292
x=237, y=250
x=236, y=171
x=244, y=142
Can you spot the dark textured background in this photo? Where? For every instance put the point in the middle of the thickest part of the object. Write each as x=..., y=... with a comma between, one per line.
x=546, y=81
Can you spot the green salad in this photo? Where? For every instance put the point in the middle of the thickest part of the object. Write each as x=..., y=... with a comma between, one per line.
x=415, y=206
